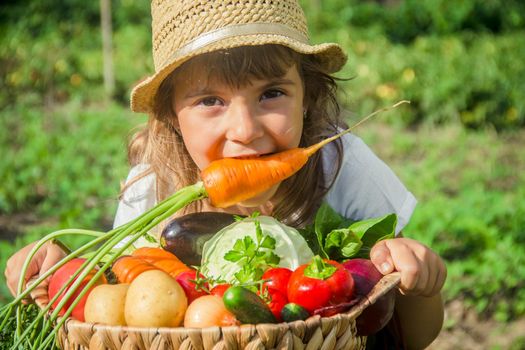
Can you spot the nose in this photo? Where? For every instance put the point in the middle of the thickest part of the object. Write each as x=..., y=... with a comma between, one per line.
x=242, y=125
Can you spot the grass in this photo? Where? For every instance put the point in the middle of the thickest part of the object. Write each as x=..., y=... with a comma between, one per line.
x=470, y=210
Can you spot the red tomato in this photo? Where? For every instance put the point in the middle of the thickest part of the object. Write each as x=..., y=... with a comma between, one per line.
x=193, y=291
x=277, y=302
x=277, y=278
x=322, y=290
x=220, y=289
x=60, y=278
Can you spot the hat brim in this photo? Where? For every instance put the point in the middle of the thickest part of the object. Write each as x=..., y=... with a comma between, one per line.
x=331, y=57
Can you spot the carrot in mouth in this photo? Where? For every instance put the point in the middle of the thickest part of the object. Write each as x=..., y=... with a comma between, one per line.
x=232, y=180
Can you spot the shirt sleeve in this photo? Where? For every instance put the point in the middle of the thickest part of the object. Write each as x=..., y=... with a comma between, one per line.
x=138, y=198
x=365, y=186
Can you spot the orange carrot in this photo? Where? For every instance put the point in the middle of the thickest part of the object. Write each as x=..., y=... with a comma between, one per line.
x=126, y=268
x=161, y=259
x=230, y=180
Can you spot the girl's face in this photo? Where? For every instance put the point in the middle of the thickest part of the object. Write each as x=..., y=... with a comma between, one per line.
x=219, y=121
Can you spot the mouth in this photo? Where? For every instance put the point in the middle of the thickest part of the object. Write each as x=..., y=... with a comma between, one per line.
x=251, y=156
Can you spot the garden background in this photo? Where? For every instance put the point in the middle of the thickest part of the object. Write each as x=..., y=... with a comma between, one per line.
x=459, y=146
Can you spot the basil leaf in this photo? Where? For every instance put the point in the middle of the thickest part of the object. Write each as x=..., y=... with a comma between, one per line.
x=374, y=230
x=326, y=220
x=342, y=243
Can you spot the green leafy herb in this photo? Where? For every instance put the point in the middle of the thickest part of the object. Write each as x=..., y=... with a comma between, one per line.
x=334, y=237
x=342, y=243
x=253, y=256
x=28, y=313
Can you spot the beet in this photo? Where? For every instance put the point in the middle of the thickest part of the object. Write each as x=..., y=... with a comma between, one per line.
x=377, y=315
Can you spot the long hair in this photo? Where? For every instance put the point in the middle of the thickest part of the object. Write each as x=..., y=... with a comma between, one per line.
x=159, y=144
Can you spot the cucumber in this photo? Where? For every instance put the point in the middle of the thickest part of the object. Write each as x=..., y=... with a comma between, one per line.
x=294, y=312
x=247, y=306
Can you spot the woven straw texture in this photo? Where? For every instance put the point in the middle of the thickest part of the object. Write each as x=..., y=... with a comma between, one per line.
x=327, y=333
x=182, y=29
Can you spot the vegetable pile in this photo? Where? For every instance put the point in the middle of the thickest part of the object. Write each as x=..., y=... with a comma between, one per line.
x=256, y=270
x=264, y=272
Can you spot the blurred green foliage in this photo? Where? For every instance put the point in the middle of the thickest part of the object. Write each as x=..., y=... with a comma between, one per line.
x=406, y=20
x=62, y=163
x=459, y=63
x=456, y=61
x=471, y=208
x=55, y=52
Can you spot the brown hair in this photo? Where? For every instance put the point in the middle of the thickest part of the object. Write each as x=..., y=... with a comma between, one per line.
x=161, y=146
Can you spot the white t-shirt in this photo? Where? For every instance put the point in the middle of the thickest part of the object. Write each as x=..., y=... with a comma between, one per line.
x=364, y=188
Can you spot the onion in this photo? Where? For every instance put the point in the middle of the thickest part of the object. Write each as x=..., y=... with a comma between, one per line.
x=208, y=311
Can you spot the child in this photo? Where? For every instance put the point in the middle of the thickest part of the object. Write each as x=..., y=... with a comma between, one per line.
x=237, y=79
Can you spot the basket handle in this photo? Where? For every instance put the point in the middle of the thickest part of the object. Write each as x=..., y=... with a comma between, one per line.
x=387, y=283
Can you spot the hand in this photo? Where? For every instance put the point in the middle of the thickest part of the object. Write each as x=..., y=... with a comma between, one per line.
x=47, y=256
x=423, y=272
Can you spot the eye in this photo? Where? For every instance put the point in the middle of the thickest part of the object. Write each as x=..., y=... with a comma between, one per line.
x=210, y=101
x=272, y=93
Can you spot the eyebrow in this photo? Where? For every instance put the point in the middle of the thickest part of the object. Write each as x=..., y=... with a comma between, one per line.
x=207, y=91
x=277, y=81
x=200, y=92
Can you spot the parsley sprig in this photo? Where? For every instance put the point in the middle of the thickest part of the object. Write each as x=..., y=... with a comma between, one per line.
x=253, y=257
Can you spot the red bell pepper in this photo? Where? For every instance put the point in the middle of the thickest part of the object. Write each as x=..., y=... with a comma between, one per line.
x=319, y=284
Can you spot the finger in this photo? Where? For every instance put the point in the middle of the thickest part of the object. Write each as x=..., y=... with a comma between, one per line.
x=39, y=294
x=381, y=257
x=13, y=274
x=15, y=264
x=53, y=255
x=440, y=278
x=406, y=263
x=11, y=286
x=423, y=279
x=424, y=257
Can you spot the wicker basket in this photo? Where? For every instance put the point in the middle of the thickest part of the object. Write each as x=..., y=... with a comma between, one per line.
x=336, y=332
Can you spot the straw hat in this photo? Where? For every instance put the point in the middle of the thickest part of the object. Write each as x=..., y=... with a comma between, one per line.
x=183, y=29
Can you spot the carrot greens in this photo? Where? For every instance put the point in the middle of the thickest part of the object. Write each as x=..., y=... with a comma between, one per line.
x=113, y=243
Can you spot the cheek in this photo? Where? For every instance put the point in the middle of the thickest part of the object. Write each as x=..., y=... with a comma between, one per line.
x=199, y=139
x=288, y=130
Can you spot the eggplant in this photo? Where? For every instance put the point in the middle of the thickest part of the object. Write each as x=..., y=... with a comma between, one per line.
x=185, y=236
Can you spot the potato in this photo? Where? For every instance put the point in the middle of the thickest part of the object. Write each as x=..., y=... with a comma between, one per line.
x=105, y=304
x=155, y=299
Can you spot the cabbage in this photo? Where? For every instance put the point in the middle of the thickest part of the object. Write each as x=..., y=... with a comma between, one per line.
x=290, y=246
